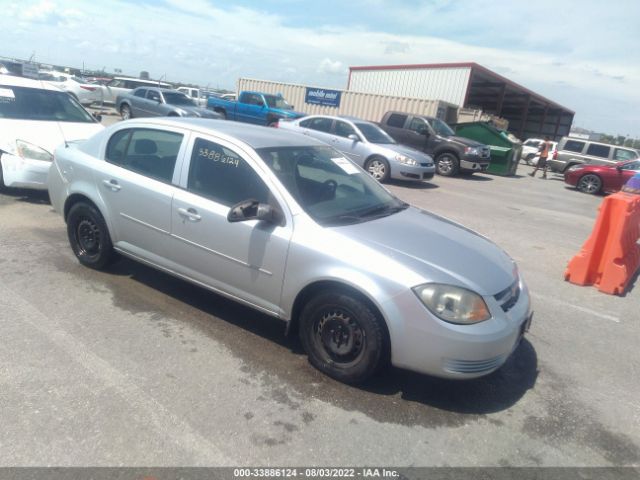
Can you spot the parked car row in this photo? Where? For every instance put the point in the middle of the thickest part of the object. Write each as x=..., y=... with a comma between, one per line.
x=279, y=221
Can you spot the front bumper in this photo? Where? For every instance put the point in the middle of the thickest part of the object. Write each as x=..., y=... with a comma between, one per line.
x=470, y=164
x=423, y=343
x=400, y=171
x=24, y=172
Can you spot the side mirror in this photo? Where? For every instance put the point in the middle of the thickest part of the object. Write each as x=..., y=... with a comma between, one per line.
x=253, y=210
x=354, y=137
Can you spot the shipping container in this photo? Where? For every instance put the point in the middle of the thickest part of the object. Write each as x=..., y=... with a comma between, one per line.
x=367, y=106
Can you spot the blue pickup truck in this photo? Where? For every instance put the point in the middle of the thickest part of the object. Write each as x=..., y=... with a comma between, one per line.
x=254, y=107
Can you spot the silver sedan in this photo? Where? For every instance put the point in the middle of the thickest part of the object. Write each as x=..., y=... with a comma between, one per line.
x=366, y=144
x=289, y=226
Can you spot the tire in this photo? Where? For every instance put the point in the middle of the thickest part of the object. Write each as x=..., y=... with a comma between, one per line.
x=379, y=168
x=125, y=112
x=337, y=316
x=528, y=159
x=590, y=183
x=447, y=164
x=89, y=236
x=222, y=113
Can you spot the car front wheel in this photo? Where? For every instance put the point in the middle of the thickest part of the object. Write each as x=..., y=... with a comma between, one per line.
x=125, y=112
x=89, y=236
x=447, y=165
x=379, y=168
x=590, y=183
x=343, y=337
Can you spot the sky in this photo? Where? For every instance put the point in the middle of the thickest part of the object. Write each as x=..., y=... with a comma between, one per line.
x=584, y=55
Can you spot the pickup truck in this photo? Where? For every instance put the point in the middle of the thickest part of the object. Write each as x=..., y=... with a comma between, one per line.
x=197, y=95
x=159, y=102
x=452, y=154
x=254, y=107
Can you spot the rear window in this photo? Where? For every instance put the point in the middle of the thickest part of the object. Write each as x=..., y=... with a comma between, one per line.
x=598, y=150
x=20, y=103
x=622, y=155
x=396, y=120
x=574, y=146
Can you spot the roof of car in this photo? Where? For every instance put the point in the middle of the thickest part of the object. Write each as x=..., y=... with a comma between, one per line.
x=255, y=136
x=349, y=118
x=159, y=89
x=10, y=80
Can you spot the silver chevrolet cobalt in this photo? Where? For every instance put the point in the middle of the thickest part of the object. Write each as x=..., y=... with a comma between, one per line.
x=285, y=224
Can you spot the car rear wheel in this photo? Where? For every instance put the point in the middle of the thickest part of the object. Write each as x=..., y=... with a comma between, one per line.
x=125, y=112
x=343, y=337
x=89, y=236
x=378, y=167
x=590, y=183
x=447, y=165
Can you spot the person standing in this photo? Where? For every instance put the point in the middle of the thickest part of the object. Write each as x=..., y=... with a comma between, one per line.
x=543, y=149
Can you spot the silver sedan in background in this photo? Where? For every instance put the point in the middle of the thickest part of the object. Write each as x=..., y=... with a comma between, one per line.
x=366, y=144
x=285, y=224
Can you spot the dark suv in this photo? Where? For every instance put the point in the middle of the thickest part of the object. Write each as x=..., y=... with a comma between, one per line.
x=452, y=154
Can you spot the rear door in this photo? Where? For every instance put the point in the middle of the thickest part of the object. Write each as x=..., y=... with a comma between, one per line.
x=137, y=102
x=414, y=134
x=347, y=146
x=137, y=183
x=245, y=260
x=394, y=126
x=598, y=154
x=319, y=128
x=152, y=104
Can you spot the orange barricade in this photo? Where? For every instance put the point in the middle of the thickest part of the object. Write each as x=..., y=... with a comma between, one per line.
x=611, y=256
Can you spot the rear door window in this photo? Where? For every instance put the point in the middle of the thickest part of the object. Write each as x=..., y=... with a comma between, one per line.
x=152, y=153
x=141, y=92
x=596, y=150
x=574, y=146
x=396, y=120
x=319, y=124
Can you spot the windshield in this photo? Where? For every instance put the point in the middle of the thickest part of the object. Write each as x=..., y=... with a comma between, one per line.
x=441, y=128
x=330, y=188
x=373, y=133
x=277, y=102
x=22, y=103
x=178, y=98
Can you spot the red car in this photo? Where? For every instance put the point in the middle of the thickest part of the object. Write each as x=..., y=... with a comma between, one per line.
x=600, y=178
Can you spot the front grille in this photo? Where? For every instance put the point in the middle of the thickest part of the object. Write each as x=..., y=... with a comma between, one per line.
x=473, y=366
x=508, y=297
x=426, y=164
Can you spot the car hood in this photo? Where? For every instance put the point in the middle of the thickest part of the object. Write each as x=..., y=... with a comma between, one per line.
x=44, y=134
x=198, y=111
x=404, y=150
x=287, y=113
x=438, y=249
x=465, y=142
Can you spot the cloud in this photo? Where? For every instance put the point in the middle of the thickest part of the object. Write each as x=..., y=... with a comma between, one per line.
x=331, y=67
x=208, y=43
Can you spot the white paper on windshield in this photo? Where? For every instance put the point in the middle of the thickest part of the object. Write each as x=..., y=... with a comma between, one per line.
x=345, y=165
x=6, y=94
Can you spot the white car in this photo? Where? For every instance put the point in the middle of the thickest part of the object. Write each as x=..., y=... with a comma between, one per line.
x=84, y=92
x=35, y=118
x=553, y=153
x=119, y=85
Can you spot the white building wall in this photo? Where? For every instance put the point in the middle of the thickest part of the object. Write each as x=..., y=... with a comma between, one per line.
x=448, y=84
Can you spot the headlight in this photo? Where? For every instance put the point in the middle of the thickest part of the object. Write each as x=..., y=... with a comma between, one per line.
x=405, y=160
x=453, y=304
x=472, y=151
x=573, y=168
x=29, y=150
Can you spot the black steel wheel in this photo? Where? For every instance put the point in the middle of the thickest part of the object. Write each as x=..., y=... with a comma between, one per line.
x=125, y=112
x=379, y=168
x=343, y=336
x=447, y=164
x=89, y=236
x=590, y=183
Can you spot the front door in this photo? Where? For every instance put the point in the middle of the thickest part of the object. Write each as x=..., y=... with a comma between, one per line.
x=349, y=147
x=245, y=260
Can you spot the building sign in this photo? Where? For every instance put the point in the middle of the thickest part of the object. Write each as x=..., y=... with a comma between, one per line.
x=30, y=70
x=320, y=96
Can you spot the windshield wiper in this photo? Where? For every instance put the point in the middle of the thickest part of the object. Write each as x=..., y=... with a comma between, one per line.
x=383, y=210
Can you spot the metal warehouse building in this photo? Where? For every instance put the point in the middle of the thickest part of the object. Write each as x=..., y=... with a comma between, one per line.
x=468, y=85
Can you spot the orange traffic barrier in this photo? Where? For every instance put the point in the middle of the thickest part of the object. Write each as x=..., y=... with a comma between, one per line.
x=611, y=255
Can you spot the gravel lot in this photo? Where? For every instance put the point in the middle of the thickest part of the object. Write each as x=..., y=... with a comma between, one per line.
x=133, y=367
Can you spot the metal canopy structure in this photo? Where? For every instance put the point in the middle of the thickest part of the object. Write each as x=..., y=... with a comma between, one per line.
x=529, y=114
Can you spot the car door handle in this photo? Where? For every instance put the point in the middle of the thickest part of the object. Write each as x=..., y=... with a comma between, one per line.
x=112, y=184
x=189, y=213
